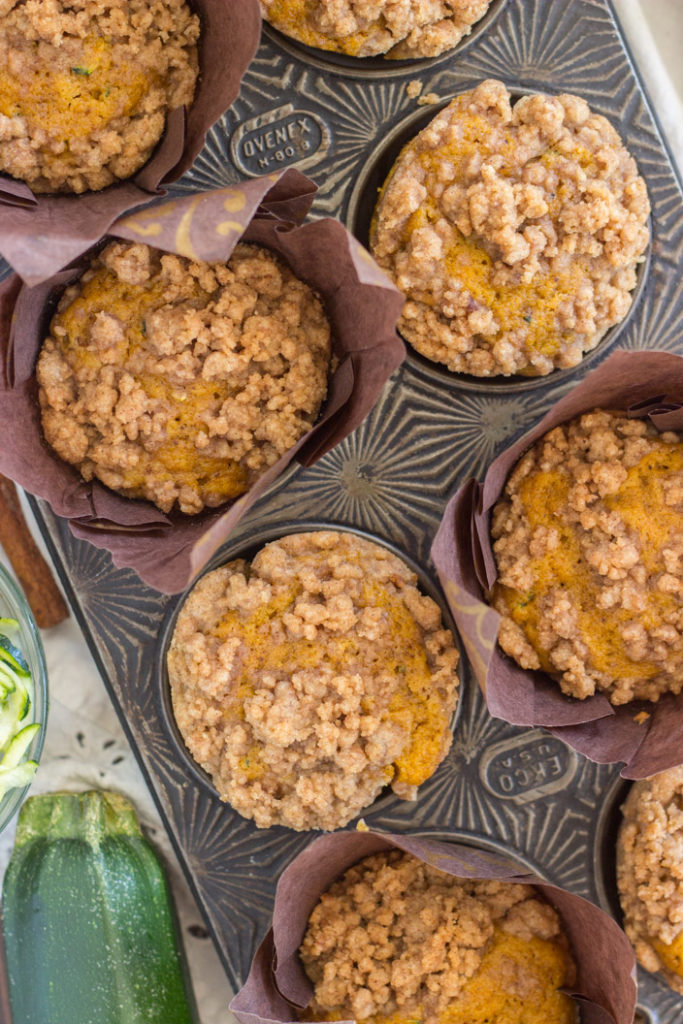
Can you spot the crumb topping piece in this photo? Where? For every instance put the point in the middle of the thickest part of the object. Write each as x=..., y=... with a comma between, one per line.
x=397, y=940
x=588, y=538
x=85, y=87
x=650, y=873
x=514, y=232
x=180, y=381
x=307, y=681
x=366, y=28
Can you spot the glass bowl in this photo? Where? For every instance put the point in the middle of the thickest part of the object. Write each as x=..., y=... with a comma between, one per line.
x=14, y=605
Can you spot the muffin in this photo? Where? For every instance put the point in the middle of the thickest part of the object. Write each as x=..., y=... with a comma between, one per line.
x=650, y=873
x=180, y=381
x=396, y=939
x=85, y=87
x=514, y=232
x=367, y=28
x=588, y=540
x=307, y=681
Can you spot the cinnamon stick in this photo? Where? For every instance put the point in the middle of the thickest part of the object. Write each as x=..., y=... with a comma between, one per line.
x=33, y=572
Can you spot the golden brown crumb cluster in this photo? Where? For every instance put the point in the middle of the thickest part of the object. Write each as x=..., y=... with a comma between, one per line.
x=398, y=939
x=85, y=86
x=307, y=681
x=513, y=232
x=366, y=28
x=589, y=545
x=650, y=873
x=180, y=381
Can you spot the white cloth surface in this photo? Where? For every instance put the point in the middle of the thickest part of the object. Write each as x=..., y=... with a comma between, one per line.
x=85, y=745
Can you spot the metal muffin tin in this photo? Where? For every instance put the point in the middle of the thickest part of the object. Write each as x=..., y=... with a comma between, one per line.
x=517, y=789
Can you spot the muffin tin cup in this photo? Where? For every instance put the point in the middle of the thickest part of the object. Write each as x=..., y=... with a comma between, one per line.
x=644, y=735
x=277, y=988
x=42, y=234
x=247, y=549
x=359, y=213
x=377, y=67
x=361, y=304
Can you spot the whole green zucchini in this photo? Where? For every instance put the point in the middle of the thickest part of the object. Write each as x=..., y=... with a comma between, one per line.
x=89, y=930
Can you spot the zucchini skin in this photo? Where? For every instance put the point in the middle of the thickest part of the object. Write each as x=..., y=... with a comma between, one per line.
x=90, y=933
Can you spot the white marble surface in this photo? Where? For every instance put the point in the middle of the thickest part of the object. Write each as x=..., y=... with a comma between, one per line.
x=85, y=746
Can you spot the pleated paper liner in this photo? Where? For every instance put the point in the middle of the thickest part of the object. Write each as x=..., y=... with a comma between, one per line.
x=168, y=551
x=278, y=990
x=646, y=736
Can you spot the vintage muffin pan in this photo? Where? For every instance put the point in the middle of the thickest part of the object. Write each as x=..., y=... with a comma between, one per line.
x=518, y=789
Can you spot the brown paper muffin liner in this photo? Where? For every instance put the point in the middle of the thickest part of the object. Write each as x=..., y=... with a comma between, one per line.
x=167, y=551
x=646, y=736
x=277, y=986
x=39, y=235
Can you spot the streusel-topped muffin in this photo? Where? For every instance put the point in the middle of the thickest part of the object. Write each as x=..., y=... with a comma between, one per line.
x=650, y=873
x=181, y=381
x=514, y=230
x=398, y=940
x=308, y=680
x=588, y=538
x=366, y=28
x=85, y=87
